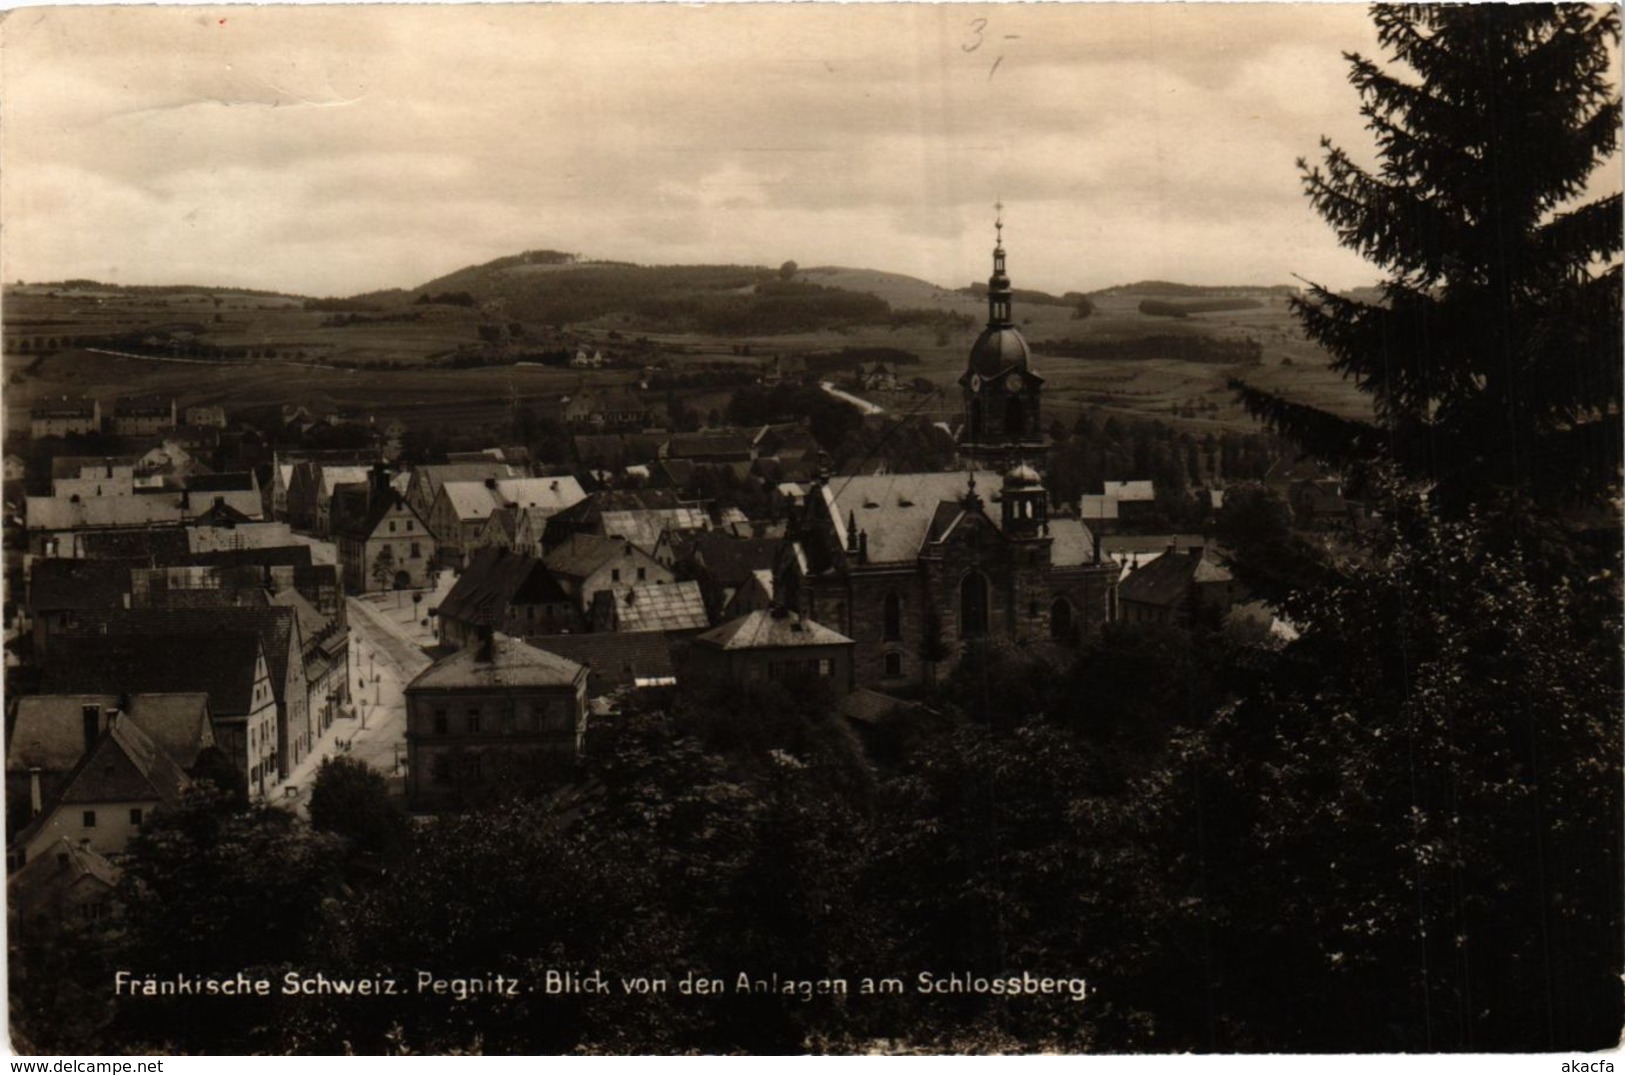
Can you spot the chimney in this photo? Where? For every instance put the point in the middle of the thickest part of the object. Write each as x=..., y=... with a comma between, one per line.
x=863, y=546
x=486, y=652
x=851, y=531
x=36, y=798
x=490, y=483
x=91, y=719
x=377, y=484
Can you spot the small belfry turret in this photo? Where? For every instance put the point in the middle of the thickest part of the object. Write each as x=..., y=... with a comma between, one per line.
x=1002, y=393
x=1024, y=503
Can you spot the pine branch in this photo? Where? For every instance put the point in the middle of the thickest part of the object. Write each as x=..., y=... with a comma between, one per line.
x=1326, y=436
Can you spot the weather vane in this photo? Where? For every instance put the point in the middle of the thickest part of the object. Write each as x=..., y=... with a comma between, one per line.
x=998, y=219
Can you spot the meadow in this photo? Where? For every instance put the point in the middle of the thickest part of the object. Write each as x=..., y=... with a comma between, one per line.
x=287, y=351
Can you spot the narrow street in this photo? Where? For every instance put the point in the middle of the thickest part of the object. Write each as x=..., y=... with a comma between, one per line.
x=387, y=640
x=860, y=403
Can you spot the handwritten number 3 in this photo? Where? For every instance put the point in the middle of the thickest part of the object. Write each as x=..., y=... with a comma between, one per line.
x=977, y=26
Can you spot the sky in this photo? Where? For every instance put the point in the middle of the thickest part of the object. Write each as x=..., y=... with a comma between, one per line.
x=335, y=150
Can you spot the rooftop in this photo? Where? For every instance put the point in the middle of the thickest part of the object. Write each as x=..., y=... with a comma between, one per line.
x=613, y=659
x=503, y=662
x=775, y=628
x=651, y=606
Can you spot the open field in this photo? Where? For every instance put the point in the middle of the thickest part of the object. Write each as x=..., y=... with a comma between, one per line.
x=296, y=341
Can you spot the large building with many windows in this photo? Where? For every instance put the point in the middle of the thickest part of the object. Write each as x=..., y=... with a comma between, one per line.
x=494, y=715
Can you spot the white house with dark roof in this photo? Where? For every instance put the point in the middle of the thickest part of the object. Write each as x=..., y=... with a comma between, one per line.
x=122, y=780
x=586, y=564
x=383, y=543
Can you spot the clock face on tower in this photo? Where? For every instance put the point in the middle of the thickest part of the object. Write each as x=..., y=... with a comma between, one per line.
x=976, y=382
x=1012, y=383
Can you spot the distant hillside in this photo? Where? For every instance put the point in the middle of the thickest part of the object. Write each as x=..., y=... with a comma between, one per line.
x=727, y=300
x=1168, y=290
x=1023, y=294
x=97, y=287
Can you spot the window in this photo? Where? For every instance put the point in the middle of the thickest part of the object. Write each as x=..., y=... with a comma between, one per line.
x=973, y=605
x=892, y=618
x=474, y=720
x=615, y=574
x=554, y=716
x=826, y=667
x=894, y=664
x=409, y=530
x=90, y=819
x=441, y=722
x=417, y=551
x=392, y=526
x=440, y=769
x=135, y=815
x=642, y=572
x=1060, y=619
x=1015, y=417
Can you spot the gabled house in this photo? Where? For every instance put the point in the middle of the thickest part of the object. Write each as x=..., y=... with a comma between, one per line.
x=586, y=564
x=1175, y=587
x=462, y=509
x=67, y=882
x=382, y=543
x=277, y=629
x=423, y=488
x=724, y=564
x=310, y=492
x=508, y=592
x=326, y=652
x=229, y=666
x=122, y=780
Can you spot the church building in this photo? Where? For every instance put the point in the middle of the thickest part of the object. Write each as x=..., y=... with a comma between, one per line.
x=913, y=567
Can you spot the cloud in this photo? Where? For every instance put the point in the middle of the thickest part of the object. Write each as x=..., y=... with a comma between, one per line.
x=338, y=149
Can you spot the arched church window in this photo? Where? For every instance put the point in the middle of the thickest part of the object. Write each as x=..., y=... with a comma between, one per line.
x=973, y=605
x=1060, y=619
x=1015, y=416
x=892, y=618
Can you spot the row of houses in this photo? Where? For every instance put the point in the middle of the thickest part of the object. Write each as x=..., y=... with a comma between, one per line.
x=157, y=656
x=138, y=416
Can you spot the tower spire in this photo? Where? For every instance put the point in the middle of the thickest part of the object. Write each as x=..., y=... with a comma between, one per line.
x=998, y=285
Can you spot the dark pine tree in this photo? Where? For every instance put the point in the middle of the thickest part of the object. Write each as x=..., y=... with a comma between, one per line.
x=1493, y=358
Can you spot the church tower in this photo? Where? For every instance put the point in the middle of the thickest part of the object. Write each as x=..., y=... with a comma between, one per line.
x=1002, y=427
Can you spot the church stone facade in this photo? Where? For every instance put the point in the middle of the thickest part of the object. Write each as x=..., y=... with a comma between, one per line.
x=914, y=567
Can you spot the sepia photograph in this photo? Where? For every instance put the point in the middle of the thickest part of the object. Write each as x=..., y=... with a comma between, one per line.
x=642, y=529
